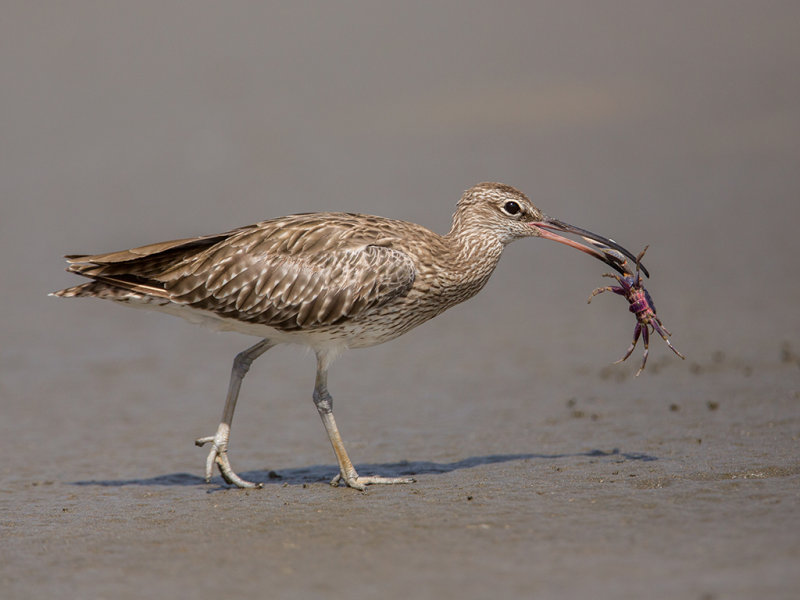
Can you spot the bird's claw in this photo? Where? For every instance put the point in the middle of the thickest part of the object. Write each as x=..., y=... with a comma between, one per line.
x=354, y=481
x=219, y=456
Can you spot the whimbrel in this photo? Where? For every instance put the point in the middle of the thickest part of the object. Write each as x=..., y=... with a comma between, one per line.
x=328, y=281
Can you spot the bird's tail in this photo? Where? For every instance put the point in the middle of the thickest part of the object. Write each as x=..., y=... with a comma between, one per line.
x=100, y=289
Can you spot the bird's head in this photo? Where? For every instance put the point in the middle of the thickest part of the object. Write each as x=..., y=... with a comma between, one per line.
x=506, y=214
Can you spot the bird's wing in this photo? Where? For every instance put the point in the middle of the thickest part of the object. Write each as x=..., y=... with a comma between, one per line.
x=296, y=272
x=144, y=261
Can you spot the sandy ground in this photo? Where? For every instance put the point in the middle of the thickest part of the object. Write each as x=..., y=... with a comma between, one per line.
x=542, y=471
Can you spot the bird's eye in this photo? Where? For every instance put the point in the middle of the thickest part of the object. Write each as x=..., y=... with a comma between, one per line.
x=512, y=208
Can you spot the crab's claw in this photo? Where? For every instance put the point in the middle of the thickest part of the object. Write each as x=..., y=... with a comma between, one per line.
x=602, y=248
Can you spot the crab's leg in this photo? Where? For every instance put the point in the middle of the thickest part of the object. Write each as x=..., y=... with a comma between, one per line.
x=617, y=277
x=636, y=332
x=674, y=349
x=659, y=327
x=608, y=288
x=646, y=342
x=639, y=265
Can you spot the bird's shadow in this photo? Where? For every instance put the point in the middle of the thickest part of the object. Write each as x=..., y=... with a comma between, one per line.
x=318, y=473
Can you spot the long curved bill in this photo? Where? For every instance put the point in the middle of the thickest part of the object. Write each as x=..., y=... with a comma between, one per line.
x=601, y=248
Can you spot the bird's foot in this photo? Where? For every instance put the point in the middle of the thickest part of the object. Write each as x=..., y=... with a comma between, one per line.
x=219, y=456
x=353, y=480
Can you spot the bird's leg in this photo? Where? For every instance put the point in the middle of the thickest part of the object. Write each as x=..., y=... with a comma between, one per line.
x=347, y=472
x=219, y=441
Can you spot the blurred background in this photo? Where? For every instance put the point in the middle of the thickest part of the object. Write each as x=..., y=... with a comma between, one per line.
x=674, y=124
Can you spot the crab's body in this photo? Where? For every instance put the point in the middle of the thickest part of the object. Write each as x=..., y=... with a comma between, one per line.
x=641, y=304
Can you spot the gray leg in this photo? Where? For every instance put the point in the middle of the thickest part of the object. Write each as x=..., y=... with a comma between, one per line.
x=347, y=472
x=219, y=441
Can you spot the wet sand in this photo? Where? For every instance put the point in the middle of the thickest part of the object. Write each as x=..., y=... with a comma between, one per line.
x=542, y=470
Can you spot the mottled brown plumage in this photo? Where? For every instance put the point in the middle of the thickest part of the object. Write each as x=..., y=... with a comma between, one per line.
x=330, y=281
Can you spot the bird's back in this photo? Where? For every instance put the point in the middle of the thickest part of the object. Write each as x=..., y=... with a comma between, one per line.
x=308, y=272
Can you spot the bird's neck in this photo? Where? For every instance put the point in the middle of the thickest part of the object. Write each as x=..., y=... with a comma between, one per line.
x=474, y=253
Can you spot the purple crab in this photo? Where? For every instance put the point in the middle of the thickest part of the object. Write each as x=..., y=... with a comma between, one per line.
x=641, y=304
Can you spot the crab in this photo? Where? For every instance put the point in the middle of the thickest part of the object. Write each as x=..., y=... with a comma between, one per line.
x=641, y=304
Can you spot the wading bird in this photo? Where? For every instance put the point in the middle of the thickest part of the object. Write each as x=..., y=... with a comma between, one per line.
x=328, y=281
